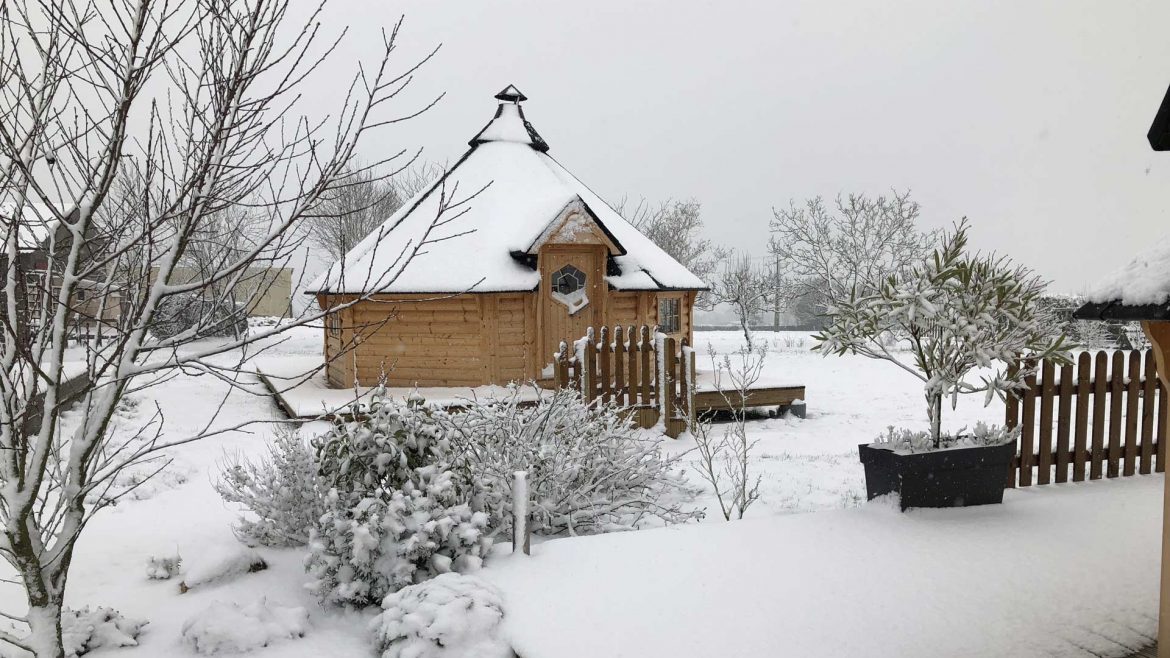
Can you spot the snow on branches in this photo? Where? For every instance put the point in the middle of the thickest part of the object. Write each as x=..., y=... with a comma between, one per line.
x=589, y=470
x=957, y=312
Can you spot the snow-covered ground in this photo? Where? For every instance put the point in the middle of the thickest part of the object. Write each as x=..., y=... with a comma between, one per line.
x=1054, y=568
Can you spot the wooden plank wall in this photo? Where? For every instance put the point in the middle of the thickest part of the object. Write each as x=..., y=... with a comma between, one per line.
x=1104, y=416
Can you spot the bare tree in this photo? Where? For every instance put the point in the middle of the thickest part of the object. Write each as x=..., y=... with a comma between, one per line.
x=194, y=107
x=352, y=212
x=826, y=255
x=725, y=458
x=744, y=287
x=674, y=226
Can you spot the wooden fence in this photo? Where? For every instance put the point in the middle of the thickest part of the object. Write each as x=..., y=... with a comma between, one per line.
x=1110, y=420
x=622, y=366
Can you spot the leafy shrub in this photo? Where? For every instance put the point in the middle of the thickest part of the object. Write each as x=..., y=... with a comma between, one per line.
x=589, y=469
x=905, y=440
x=181, y=312
x=164, y=567
x=394, y=516
x=84, y=630
x=451, y=616
x=283, y=490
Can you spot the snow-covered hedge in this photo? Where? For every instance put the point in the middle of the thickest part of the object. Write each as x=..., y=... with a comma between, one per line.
x=451, y=616
x=224, y=628
x=589, y=470
x=283, y=491
x=84, y=630
x=178, y=313
x=395, y=515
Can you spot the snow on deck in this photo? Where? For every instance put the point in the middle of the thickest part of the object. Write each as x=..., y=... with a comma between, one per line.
x=301, y=384
x=302, y=387
x=1059, y=570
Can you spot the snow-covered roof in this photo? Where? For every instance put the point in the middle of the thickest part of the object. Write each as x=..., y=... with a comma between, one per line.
x=517, y=191
x=33, y=229
x=1144, y=281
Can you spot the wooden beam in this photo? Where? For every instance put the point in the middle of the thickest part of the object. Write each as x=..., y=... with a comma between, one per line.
x=1159, y=335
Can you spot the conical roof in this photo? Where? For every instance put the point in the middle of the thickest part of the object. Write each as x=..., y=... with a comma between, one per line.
x=497, y=201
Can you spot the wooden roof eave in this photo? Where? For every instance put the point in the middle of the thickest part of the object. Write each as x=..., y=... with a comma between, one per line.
x=1115, y=310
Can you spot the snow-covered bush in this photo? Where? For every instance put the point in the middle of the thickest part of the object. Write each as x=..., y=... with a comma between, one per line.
x=450, y=616
x=956, y=312
x=282, y=490
x=904, y=440
x=164, y=567
x=84, y=630
x=394, y=538
x=180, y=312
x=589, y=469
x=395, y=515
x=231, y=628
x=222, y=566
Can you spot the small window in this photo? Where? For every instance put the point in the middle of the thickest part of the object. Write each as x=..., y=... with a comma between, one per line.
x=333, y=324
x=80, y=295
x=668, y=315
x=568, y=280
x=568, y=288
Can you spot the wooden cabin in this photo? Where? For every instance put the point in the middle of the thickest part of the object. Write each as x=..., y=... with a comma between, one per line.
x=480, y=277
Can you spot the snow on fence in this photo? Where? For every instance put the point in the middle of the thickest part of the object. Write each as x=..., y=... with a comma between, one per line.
x=1110, y=420
x=624, y=367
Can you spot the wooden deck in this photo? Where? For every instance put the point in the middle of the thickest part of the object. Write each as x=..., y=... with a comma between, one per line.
x=771, y=396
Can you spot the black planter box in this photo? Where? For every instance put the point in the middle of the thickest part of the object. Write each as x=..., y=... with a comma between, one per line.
x=942, y=478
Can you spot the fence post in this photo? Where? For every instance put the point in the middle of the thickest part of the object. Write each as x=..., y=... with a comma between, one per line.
x=561, y=367
x=520, y=530
x=603, y=369
x=619, y=366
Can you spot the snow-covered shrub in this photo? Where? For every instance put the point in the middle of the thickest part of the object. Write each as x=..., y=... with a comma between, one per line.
x=232, y=628
x=180, y=312
x=904, y=440
x=395, y=515
x=282, y=490
x=84, y=630
x=450, y=616
x=218, y=567
x=956, y=312
x=589, y=469
x=164, y=567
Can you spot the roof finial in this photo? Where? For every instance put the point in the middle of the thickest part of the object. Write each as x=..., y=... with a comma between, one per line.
x=511, y=93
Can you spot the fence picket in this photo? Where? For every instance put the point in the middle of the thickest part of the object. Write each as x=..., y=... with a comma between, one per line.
x=647, y=372
x=1047, y=385
x=1100, y=378
x=619, y=367
x=1116, y=419
x=1132, y=391
x=1084, y=369
x=1063, y=415
x=1149, y=402
x=1160, y=448
x=1027, y=430
x=603, y=366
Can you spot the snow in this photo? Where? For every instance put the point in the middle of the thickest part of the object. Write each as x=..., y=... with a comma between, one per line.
x=518, y=192
x=1043, y=574
x=85, y=630
x=231, y=628
x=1065, y=570
x=37, y=224
x=1145, y=280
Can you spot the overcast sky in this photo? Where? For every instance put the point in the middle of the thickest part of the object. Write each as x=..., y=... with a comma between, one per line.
x=1027, y=117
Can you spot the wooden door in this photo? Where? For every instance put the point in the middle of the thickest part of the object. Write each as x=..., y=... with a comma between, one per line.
x=571, y=295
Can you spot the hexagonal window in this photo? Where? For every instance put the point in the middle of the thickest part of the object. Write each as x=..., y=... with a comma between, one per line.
x=568, y=288
x=568, y=280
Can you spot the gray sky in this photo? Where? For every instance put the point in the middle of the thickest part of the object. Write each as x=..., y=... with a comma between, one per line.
x=1027, y=117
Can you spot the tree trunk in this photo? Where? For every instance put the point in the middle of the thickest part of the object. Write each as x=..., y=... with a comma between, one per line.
x=934, y=410
x=44, y=620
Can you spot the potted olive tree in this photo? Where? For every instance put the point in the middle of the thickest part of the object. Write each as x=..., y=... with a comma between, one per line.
x=949, y=316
